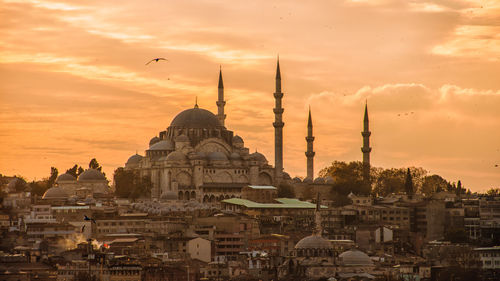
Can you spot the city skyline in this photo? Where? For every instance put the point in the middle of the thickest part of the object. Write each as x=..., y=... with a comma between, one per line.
x=75, y=85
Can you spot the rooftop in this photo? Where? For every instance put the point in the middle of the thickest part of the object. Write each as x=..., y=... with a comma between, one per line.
x=262, y=187
x=284, y=203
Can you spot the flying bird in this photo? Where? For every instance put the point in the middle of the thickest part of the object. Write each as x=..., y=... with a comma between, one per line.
x=85, y=218
x=156, y=60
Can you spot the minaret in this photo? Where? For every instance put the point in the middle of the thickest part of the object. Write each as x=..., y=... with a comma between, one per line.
x=317, y=217
x=366, y=149
x=278, y=128
x=221, y=102
x=310, y=152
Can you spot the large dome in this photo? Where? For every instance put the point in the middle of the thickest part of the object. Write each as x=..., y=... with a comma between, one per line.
x=196, y=118
x=55, y=193
x=65, y=177
x=313, y=242
x=355, y=257
x=163, y=145
x=134, y=159
x=91, y=175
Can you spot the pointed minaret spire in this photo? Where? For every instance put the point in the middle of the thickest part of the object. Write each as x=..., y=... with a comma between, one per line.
x=310, y=150
x=221, y=102
x=196, y=102
x=278, y=128
x=366, y=149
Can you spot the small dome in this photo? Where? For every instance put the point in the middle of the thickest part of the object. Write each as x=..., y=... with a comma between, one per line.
x=55, y=193
x=176, y=156
x=162, y=145
x=196, y=118
x=65, y=177
x=91, y=175
x=237, y=139
x=307, y=180
x=153, y=141
x=319, y=180
x=313, y=242
x=217, y=156
x=286, y=176
x=169, y=195
x=258, y=157
x=235, y=156
x=329, y=180
x=181, y=138
x=297, y=180
x=134, y=159
x=355, y=257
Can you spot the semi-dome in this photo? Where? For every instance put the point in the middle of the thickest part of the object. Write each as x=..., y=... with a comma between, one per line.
x=319, y=180
x=65, y=177
x=258, y=157
x=197, y=155
x=162, y=145
x=217, y=156
x=297, y=180
x=91, y=175
x=154, y=140
x=196, y=118
x=176, y=156
x=313, y=242
x=182, y=138
x=286, y=176
x=134, y=159
x=55, y=193
x=307, y=180
x=235, y=156
x=355, y=257
x=237, y=139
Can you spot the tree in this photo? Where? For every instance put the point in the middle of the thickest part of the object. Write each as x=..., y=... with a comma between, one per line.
x=459, y=190
x=124, y=182
x=389, y=181
x=432, y=184
x=93, y=164
x=130, y=185
x=347, y=177
x=74, y=171
x=39, y=187
x=285, y=190
x=409, y=183
x=20, y=184
x=493, y=192
x=53, y=176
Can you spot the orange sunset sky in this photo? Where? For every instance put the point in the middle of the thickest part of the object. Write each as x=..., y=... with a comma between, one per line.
x=73, y=84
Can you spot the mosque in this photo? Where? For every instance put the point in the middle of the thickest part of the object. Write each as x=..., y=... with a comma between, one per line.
x=198, y=158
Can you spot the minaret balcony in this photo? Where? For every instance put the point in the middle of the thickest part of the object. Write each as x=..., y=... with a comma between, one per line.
x=366, y=133
x=278, y=110
x=278, y=95
x=310, y=153
x=278, y=124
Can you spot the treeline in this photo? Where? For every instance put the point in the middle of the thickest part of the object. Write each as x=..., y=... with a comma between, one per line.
x=348, y=177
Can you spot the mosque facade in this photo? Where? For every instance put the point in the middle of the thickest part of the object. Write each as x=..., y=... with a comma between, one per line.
x=198, y=158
